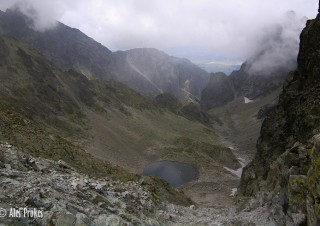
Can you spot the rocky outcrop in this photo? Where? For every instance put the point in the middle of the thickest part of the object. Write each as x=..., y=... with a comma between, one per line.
x=218, y=91
x=287, y=151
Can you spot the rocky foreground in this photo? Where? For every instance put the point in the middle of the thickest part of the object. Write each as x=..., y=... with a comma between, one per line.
x=55, y=194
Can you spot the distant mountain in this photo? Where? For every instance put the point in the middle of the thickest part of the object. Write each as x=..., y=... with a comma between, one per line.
x=218, y=91
x=242, y=83
x=255, y=85
x=176, y=76
x=273, y=56
x=148, y=71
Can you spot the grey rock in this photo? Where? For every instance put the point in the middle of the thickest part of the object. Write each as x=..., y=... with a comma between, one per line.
x=70, y=198
x=65, y=220
x=7, y=166
x=111, y=220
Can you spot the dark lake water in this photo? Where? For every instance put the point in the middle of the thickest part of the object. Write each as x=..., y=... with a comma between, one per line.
x=175, y=173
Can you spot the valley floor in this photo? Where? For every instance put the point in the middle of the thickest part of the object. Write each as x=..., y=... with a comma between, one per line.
x=120, y=145
x=237, y=128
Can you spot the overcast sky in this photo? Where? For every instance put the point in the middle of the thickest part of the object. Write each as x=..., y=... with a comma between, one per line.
x=210, y=30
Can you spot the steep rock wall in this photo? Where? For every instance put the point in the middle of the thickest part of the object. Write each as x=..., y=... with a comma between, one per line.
x=286, y=163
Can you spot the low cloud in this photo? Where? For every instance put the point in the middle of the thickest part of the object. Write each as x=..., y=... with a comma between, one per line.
x=276, y=48
x=43, y=15
x=200, y=30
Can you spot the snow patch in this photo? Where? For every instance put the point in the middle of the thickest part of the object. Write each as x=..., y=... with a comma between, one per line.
x=247, y=100
x=233, y=192
x=237, y=172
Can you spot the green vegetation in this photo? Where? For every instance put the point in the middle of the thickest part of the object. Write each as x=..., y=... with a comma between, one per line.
x=313, y=179
x=195, y=152
x=32, y=86
x=297, y=193
x=188, y=110
x=36, y=140
x=118, y=95
x=168, y=101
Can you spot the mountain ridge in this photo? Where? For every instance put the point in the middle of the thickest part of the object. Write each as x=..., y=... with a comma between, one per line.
x=69, y=48
x=173, y=75
x=241, y=84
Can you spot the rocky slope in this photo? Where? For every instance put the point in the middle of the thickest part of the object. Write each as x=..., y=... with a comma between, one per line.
x=286, y=163
x=62, y=196
x=54, y=193
x=148, y=71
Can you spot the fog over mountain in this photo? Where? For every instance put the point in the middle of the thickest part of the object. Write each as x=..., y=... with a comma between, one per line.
x=225, y=31
x=277, y=47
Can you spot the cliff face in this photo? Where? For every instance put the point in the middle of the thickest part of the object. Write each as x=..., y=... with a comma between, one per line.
x=286, y=163
x=255, y=85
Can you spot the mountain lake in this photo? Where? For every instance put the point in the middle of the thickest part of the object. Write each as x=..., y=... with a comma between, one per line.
x=175, y=173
